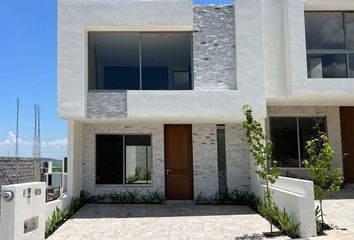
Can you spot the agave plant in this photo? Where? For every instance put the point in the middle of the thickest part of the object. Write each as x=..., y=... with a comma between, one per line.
x=153, y=197
x=132, y=197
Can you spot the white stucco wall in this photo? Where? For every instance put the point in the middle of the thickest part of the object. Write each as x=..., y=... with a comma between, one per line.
x=285, y=56
x=75, y=141
x=50, y=207
x=296, y=196
x=274, y=53
x=270, y=57
x=249, y=56
x=26, y=207
x=192, y=106
x=75, y=18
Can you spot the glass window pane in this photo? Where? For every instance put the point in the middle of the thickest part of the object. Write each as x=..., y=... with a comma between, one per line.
x=162, y=54
x=109, y=159
x=221, y=150
x=283, y=132
x=324, y=30
x=114, y=61
x=327, y=65
x=351, y=65
x=138, y=157
x=349, y=26
x=307, y=131
x=181, y=80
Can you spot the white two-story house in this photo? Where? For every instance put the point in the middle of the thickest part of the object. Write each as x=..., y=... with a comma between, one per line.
x=153, y=90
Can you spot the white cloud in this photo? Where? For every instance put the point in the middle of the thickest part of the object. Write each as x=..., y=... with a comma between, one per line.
x=56, y=143
x=56, y=148
x=11, y=140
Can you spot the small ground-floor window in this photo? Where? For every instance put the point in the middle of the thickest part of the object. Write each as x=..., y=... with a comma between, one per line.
x=123, y=159
x=289, y=136
x=221, y=151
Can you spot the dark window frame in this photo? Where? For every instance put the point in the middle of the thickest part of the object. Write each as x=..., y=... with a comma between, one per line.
x=344, y=51
x=124, y=183
x=300, y=165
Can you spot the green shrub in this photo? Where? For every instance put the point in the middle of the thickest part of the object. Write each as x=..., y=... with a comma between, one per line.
x=132, y=178
x=234, y=197
x=54, y=221
x=153, y=197
x=85, y=197
x=59, y=216
x=261, y=149
x=125, y=197
x=319, y=161
x=280, y=219
x=135, y=196
x=200, y=198
x=72, y=207
x=283, y=220
x=118, y=197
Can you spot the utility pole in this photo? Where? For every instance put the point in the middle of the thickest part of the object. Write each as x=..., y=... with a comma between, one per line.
x=16, y=147
x=37, y=133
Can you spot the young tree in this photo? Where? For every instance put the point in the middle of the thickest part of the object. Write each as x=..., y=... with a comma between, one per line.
x=318, y=162
x=261, y=150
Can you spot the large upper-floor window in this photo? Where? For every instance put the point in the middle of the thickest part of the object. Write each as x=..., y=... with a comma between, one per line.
x=139, y=61
x=330, y=44
x=289, y=136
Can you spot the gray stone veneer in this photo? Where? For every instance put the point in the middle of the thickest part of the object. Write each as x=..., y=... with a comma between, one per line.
x=89, y=160
x=107, y=104
x=205, y=165
x=214, y=47
x=237, y=158
x=204, y=157
x=333, y=130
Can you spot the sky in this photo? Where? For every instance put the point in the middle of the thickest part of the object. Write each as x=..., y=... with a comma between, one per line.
x=28, y=65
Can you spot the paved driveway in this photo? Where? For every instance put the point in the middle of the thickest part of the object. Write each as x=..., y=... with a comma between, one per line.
x=339, y=210
x=168, y=221
x=189, y=221
x=339, y=213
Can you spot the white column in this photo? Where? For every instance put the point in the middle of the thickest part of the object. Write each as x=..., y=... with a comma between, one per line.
x=74, y=158
x=249, y=55
x=295, y=44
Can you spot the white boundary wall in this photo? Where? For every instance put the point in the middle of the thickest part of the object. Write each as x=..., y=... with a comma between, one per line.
x=297, y=197
x=25, y=210
x=51, y=206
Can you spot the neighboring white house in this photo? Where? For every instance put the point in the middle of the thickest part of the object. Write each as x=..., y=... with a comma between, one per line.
x=153, y=89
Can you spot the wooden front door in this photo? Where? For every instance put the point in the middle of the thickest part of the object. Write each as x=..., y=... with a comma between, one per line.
x=347, y=131
x=178, y=162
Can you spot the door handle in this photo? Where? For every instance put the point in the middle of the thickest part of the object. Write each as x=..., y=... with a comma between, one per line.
x=168, y=170
x=345, y=154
